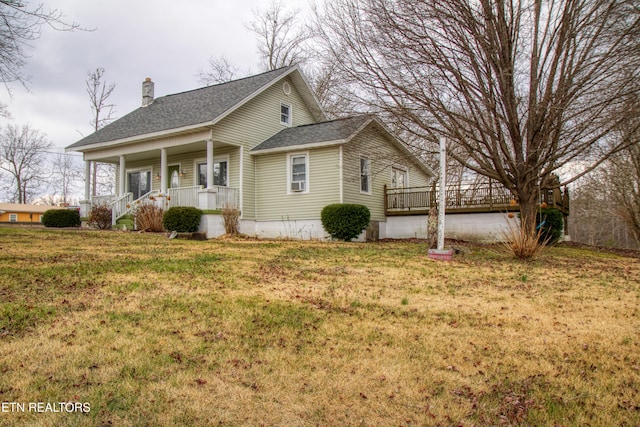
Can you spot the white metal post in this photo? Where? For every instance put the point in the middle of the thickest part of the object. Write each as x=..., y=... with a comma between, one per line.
x=443, y=192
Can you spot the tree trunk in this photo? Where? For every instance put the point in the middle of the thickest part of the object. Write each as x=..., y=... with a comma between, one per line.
x=528, y=209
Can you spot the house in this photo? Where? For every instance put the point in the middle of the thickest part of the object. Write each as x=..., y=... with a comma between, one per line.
x=15, y=213
x=261, y=144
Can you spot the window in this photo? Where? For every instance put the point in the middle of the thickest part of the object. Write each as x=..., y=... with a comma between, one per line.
x=285, y=114
x=298, y=173
x=13, y=217
x=398, y=178
x=365, y=175
x=220, y=173
x=139, y=183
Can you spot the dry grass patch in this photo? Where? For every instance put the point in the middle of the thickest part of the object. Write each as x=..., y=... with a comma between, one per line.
x=152, y=331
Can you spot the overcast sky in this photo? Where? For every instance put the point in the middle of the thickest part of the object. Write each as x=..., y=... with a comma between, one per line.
x=167, y=40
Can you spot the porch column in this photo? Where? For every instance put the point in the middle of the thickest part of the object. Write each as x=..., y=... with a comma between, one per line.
x=209, y=163
x=207, y=198
x=163, y=171
x=121, y=180
x=87, y=179
x=85, y=205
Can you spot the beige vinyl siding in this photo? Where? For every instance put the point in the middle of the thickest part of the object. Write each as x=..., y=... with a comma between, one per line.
x=275, y=203
x=383, y=155
x=255, y=122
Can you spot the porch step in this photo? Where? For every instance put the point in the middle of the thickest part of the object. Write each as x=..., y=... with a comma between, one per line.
x=124, y=221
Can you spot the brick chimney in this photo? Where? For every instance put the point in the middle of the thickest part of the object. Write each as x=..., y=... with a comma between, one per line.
x=147, y=92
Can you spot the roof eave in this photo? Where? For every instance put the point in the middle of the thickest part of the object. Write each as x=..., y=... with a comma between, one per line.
x=298, y=147
x=139, y=138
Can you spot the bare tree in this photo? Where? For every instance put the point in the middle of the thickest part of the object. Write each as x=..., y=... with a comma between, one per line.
x=220, y=71
x=281, y=36
x=102, y=114
x=20, y=25
x=22, y=156
x=66, y=175
x=622, y=173
x=519, y=88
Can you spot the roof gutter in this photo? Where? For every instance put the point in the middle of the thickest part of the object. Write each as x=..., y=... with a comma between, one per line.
x=298, y=147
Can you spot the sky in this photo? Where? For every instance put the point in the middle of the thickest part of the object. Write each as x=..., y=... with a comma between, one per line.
x=166, y=40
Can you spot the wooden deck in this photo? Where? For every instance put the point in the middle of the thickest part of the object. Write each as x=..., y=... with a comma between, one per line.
x=476, y=199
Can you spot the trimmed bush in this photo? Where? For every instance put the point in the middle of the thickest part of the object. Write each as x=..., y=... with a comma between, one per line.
x=61, y=218
x=182, y=219
x=553, y=224
x=345, y=221
x=100, y=217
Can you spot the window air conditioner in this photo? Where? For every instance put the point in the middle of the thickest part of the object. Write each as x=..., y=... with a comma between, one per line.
x=297, y=186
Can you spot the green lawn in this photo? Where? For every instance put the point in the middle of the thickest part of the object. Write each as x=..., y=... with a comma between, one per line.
x=143, y=330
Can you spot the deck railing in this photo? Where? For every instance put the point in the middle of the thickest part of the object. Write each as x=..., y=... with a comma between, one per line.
x=480, y=198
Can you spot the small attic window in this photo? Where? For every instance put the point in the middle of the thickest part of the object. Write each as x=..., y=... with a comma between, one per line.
x=286, y=88
x=285, y=114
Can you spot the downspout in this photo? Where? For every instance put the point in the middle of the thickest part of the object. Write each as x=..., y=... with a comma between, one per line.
x=341, y=179
x=241, y=183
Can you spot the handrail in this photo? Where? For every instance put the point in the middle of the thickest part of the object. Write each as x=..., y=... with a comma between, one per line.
x=120, y=207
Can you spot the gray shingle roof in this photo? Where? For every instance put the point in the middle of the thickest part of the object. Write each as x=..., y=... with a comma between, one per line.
x=334, y=130
x=182, y=109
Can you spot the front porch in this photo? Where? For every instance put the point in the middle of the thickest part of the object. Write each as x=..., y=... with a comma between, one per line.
x=208, y=199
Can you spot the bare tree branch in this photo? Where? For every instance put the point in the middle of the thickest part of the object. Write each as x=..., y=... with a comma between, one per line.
x=22, y=156
x=19, y=26
x=519, y=88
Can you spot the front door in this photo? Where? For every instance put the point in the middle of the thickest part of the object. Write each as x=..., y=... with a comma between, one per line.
x=173, y=176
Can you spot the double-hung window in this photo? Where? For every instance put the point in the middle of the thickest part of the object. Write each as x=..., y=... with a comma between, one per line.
x=285, y=114
x=365, y=175
x=298, y=175
x=13, y=217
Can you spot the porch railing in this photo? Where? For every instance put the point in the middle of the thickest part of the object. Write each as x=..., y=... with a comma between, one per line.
x=227, y=197
x=184, y=196
x=103, y=200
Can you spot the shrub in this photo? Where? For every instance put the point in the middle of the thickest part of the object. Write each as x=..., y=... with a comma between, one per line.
x=61, y=218
x=345, y=221
x=148, y=217
x=100, y=217
x=182, y=219
x=231, y=219
x=521, y=243
x=553, y=224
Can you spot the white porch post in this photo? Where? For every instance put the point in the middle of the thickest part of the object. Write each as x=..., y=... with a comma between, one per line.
x=207, y=198
x=87, y=179
x=209, y=163
x=121, y=180
x=163, y=171
x=85, y=205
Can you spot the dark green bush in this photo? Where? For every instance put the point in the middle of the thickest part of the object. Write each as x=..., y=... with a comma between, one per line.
x=182, y=219
x=61, y=218
x=553, y=224
x=345, y=221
